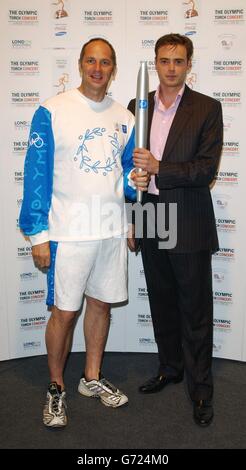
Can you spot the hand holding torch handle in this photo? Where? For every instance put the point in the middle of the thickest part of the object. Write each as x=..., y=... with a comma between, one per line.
x=141, y=112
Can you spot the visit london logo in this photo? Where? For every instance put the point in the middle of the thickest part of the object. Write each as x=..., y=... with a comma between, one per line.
x=32, y=345
x=29, y=276
x=21, y=43
x=22, y=125
x=148, y=44
x=146, y=342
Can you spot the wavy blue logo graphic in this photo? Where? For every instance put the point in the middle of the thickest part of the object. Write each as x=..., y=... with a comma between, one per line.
x=60, y=33
x=190, y=33
x=143, y=104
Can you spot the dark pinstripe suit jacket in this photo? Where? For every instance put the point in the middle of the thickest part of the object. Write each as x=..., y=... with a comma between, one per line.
x=188, y=166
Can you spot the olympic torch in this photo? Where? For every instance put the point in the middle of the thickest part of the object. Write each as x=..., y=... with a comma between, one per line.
x=141, y=112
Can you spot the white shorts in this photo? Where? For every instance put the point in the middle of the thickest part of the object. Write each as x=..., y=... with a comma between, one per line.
x=97, y=268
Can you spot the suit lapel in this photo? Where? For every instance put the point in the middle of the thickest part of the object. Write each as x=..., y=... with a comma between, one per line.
x=150, y=115
x=181, y=118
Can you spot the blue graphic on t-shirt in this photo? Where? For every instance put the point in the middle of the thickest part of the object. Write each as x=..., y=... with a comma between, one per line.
x=87, y=163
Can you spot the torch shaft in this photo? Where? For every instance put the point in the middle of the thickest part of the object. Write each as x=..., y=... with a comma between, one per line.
x=141, y=112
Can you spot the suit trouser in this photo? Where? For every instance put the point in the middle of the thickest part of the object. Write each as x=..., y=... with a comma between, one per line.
x=181, y=302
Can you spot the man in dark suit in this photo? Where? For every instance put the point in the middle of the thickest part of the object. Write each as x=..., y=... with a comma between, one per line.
x=183, y=151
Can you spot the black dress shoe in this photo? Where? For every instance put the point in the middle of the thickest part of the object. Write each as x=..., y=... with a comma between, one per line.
x=203, y=412
x=156, y=384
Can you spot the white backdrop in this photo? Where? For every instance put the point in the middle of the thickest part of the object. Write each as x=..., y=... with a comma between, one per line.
x=40, y=45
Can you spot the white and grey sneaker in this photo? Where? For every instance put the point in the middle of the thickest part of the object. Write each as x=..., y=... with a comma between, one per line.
x=108, y=393
x=54, y=412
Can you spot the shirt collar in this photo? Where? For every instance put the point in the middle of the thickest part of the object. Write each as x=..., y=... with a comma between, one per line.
x=159, y=103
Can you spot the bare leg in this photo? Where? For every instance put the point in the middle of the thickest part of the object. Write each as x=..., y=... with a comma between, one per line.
x=58, y=338
x=96, y=327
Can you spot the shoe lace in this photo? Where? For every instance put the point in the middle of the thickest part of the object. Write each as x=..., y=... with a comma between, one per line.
x=110, y=386
x=56, y=404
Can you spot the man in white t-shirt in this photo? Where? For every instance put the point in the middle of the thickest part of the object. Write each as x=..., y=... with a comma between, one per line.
x=78, y=171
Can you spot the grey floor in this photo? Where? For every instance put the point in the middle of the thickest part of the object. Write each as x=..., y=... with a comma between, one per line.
x=160, y=421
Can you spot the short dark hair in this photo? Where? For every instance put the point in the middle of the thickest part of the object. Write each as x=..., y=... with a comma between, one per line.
x=82, y=53
x=175, y=39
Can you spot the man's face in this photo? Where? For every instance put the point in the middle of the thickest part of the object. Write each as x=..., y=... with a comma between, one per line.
x=172, y=66
x=96, y=67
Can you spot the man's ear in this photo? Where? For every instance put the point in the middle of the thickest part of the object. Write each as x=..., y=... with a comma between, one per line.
x=114, y=73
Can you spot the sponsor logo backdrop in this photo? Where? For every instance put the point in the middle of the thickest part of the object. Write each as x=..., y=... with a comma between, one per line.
x=41, y=41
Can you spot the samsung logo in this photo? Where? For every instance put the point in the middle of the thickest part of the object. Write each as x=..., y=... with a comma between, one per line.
x=190, y=33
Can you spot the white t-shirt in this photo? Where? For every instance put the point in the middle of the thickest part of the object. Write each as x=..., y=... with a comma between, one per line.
x=77, y=170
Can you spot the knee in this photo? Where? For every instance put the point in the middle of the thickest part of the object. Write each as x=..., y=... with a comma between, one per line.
x=98, y=305
x=63, y=317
